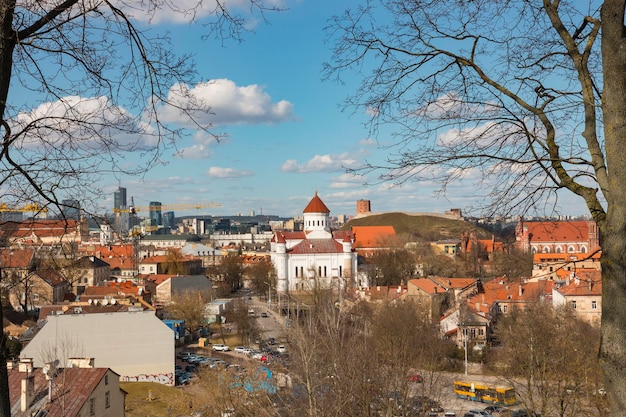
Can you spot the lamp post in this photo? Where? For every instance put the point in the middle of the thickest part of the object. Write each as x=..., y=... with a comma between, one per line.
x=465, y=347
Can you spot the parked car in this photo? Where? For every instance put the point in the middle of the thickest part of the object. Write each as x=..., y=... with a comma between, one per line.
x=271, y=341
x=525, y=413
x=191, y=368
x=239, y=349
x=478, y=413
x=184, y=355
x=415, y=378
x=264, y=314
x=496, y=410
x=247, y=351
x=220, y=347
x=281, y=349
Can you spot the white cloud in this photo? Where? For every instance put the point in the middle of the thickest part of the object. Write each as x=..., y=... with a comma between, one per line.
x=368, y=142
x=81, y=122
x=219, y=172
x=228, y=103
x=320, y=163
x=347, y=181
x=186, y=11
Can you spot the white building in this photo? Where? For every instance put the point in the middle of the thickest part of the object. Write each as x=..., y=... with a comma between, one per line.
x=136, y=345
x=315, y=257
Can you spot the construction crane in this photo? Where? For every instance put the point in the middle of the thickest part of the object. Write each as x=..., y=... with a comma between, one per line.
x=33, y=207
x=169, y=207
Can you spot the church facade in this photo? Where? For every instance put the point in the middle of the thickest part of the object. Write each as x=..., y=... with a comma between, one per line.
x=315, y=257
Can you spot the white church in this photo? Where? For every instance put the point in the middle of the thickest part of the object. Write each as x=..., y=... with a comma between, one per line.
x=315, y=257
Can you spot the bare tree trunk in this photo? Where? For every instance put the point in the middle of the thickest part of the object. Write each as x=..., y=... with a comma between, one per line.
x=613, y=348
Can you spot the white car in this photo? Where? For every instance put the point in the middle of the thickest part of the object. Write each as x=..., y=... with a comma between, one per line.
x=240, y=349
x=281, y=349
x=247, y=351
x=220, y=347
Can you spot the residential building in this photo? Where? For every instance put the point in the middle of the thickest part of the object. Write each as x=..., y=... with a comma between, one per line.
x=88, y=271
x=431, y=296
x=39, y=288
x=16, y=264
x=168, y=286
x=137, y=345
x=583, y=293
x=76, y=391
x=315, y=257
x=549, y=265
x=163, y=264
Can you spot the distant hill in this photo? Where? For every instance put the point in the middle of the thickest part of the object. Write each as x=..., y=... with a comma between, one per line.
x=420, y=227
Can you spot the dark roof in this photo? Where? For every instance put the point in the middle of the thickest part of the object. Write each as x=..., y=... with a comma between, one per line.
x=78, y=385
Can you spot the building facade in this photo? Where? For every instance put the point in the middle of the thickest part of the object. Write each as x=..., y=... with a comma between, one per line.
x=315, y=257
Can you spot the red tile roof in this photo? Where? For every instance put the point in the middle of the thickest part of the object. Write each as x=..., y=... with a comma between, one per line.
x=454, y=283
x=52, y=277
x=558, y=231
x=16, y=257
x=316, y=205
x=41, y=228
x=317, y=246
x=159, y=278
x=373, y=236
x=427, y=285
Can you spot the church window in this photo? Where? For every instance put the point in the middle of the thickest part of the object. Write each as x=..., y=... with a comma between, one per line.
x=319, y=271
x=325, y=274
x=296, y=272
x=340, y=271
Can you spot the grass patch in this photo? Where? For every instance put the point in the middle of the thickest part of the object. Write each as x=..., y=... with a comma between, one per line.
x=166, y=401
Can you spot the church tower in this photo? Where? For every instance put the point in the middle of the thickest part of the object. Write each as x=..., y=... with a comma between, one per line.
x=317, y=219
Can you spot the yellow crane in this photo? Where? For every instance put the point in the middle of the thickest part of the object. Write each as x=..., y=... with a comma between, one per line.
x=33, y=207
x=168, y=207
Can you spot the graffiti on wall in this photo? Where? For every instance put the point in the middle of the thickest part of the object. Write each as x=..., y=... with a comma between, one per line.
x=166, y=379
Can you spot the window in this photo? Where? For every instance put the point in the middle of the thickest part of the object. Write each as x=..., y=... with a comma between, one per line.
x=340, y=271
x=574, y=305
x=106, y=379
x=325, y=274
x=504, y=308
x=296, y=272
x=107, y=399
x=36, y=297
x=594, y=305
x=481, y=332
x=92, y=406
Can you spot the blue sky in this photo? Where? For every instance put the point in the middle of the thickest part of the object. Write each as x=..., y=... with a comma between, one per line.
x=296, y=143
x=286, y=137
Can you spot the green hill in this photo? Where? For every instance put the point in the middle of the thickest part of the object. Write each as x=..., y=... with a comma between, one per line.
x=420, y=227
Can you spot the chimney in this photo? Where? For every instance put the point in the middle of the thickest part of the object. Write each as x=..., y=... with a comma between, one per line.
x=27, y=392
x=26, y=365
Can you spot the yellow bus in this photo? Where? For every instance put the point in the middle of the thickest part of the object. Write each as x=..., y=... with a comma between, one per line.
x=484, y=393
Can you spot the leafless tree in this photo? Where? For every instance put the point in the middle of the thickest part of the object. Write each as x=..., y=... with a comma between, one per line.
x=523, y=100
x=100, y=81
x=552, y=362
x=189, y=306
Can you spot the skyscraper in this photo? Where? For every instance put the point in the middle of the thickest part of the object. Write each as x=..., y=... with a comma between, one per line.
x=122, y=219
x=71, y=209
x=155, y=213
x=119, y=198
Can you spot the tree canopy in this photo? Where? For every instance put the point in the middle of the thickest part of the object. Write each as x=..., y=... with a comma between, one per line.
x=523, y=103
